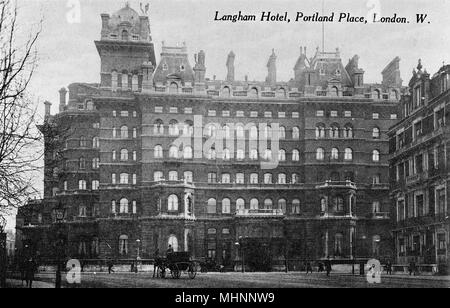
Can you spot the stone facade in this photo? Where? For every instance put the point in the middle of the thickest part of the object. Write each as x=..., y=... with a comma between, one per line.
x=120, y=188
x=419, y=146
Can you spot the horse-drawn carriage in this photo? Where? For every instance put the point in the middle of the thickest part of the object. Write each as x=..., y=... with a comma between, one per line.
x=176, y=263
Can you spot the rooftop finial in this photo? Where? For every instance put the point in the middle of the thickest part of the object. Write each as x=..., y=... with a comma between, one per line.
x=419, y=65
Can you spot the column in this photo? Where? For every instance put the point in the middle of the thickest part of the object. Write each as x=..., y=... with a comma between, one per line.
x=326, y=244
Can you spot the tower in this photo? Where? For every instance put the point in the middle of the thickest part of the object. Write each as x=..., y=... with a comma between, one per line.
x=272, y=69
x=124, y=46
x=200, y=68
x=230, y=66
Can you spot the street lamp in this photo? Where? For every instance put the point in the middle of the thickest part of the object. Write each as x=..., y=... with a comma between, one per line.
x=241, y=247
x=138, y=242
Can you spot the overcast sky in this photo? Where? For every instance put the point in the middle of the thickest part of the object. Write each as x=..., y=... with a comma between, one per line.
x=67, y=52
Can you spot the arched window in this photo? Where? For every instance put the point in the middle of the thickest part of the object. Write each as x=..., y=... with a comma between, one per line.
x=226, y=206
x=240, y=154
x=158, y=176
x=334, y=154
x=158, y=127
x=254, y=154
x=212, y=154
x=254, y=204
x=376, y=133
x=124, y=178
x=187, y=153
x=320, y=130
x=83, y=142
x=282, y=205
x=95, y=163
x=281, y=93
x=323, y=205
x=240, y=131
x=268, y=204
x=348, y=154
x=173, y=87
x=334, y=90
x=134, y=83
x=338, y=240
x=334, y=131
x=295, y=155
x=82, y=185
x=294, y=178
x=393, y=95
x=281, y=178
x=123, y=245
x=376, y=94
x=173, y=176
x=226, y=154
x=226, y=92
x=113, y=206
x=95, y=142
x=240, y=204
x=124, y=155
x=114, y=80
x=188, y=128
x=226, y=131
x=173, y=242
x=282, y=133
x=81, y=165
x=188, y=176
x=254, y=178
x=295, y=133
x=282, y=155
x=210, y=130
x=348, y=131
x=158, y=151
x=320, y=154
x=212, y=206
x=124, y=35
x=123, y=209
x=125, y=81
x=267, y=132
x=376, y=156
x=253, y=93
x=268, y=154
x=268, y=178
x=124, y=132
x=253, y=132
x=173, y=151
x=172, y=203
x=173, y=128
x=295, y=206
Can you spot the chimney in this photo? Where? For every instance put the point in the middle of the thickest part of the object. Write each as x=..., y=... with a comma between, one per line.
x=48, y=106
x=199, y=68
x=62, y=99
x=147, y=76
x=230, y=66
x=105, y=23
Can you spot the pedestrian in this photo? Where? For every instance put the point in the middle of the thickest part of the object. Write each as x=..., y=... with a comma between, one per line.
x=412, y=268
x=30, y=269
x=389, y=268
x=156, y=261
x=309, y=267
x=170, y=250
x=110, y=266
x=328, y=266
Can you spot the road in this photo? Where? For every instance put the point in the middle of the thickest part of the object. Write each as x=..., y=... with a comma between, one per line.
x=253, y=280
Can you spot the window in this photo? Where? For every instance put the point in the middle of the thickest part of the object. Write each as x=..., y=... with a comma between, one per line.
x=172, y=203
x=376, y=156
x=254, y=178
x=173, y=128
x=82, y=163
x=268, y=178
x=158, y=109
x=295, y=206
x=82, y=211
x=334, y=131
x=124, y=132
x=268, y=154
x=393, y=116
x=124, y=113
x=282, y=115
x=294, y=178
x=123, y=245
x=376, y=179
x=254, y=204
x=113, y=178
x=281, y=178
x=268, y=114
x=95, y=163
x=173, y=242
x=188, y=110
x=134, y=132
x=134, y=207
x=282, y=155
x=158, y=127
x=211, y=113
x=268, y=204
x=173, y=152
x=295, y=155
x=211, y=206
x=240, y=178
x=226, y=206
x=320, y=113
x=226, y=178
x=225, y=113
x=114, y=132
x=338, y=239
x=226, y=154
x=114, y=80
x=295, y=115
x=253, y=133
x=282, y=132
x=334, y=154
x=375, y=116
x=212, y=177
x=82, y=185
x=240, y=154
x=113, y=206
x=158, y=151
x=123, y=206
x=65, y=185
x=83, y=142
x=212, y=154
x=334, y=114
x=95, y=185
x=320, y=154
x=173, y=176
x=295, y=133
x=240, y=204
x=254, y=154
x=124, y=155
x=376, y=207
x=134, y=179
x=348, y=131
x=187, y=153
x=347, y=114
x=320, y=131
x=124, y=178
x=348, y=154
x=95, y=142
x=419, y=206
x=440, y=202
x=158, y=176
x=134, y=156
x=376, y=133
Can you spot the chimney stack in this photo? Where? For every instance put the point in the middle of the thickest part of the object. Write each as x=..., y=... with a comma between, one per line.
x=62, y=99
x=48, y=106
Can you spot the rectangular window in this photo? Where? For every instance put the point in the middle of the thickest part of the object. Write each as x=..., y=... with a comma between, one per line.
x=375, y=116
x=268, y=114
x=393, y=116
x=173, y=110
x=281, y=115
x=188, y=110
x=320, y=113
x=419, y=206
x=440, y=202
x=225, y=113
x=240, y=114
x=295, y=115
x=334, y=114
x=212, y=178
x=124, y=113
x=211, y=113
x=158, y=109
x=253, y=114
x=348, y=114
x=226, y=178
x=113, y=178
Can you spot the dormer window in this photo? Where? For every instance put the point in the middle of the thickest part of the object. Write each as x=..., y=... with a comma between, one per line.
x=135, y=37
x=338, y=72
x=124, y=35
x=182, y=68
x=113, y=36
x=165, y=67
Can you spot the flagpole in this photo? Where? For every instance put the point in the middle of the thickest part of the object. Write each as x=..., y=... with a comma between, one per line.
x=323, y=27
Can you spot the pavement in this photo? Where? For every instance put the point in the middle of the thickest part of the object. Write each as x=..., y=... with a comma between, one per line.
x=244, y=280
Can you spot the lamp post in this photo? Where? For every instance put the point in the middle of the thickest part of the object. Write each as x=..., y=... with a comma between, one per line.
x=138, y=243
x=241, y=248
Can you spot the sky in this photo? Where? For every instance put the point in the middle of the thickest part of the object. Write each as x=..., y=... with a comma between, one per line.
x=67, y=52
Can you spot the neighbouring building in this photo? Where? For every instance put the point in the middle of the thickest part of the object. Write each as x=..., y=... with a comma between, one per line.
x=420, y=181
x=118, y=183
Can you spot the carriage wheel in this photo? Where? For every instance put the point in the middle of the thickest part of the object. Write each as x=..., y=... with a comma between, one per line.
x=161, y=273
x=192, y=271
x=176, y=273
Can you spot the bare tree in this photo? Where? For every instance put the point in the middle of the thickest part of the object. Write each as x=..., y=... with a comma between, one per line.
x=19, y=138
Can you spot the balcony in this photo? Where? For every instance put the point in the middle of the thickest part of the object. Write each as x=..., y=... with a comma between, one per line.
x=260, y=213
x=337, y=184
x=380, y=215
